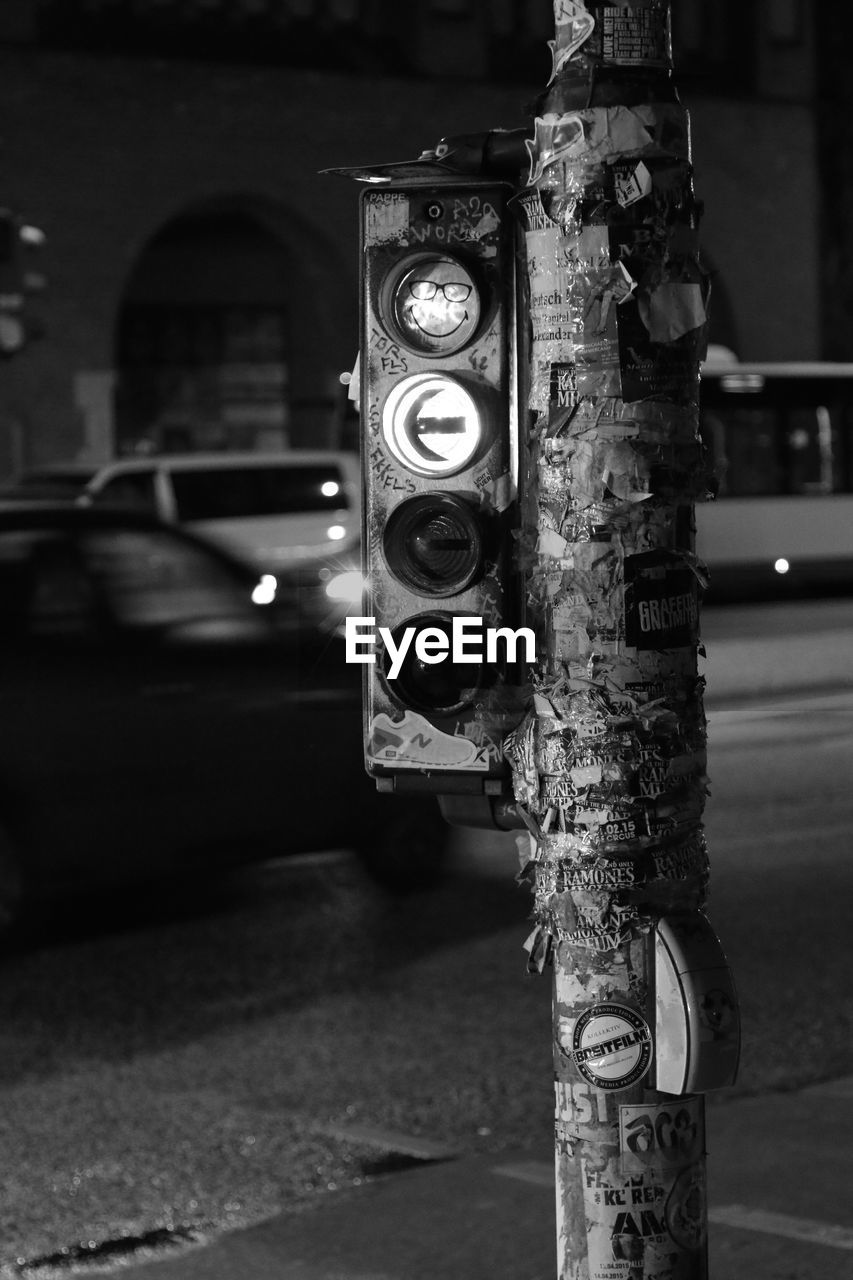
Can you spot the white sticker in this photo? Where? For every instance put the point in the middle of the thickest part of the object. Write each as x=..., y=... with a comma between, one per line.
x=612, y=1046
x=386, y=218
x=667, y=1135
x=414, y=743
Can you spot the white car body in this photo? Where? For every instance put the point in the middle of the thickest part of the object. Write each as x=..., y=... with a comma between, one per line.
x=295, y=514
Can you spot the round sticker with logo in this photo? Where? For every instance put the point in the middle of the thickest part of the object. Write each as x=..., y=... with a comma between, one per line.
x=612, y=1046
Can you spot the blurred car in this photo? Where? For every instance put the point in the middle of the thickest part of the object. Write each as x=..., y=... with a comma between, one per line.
x=155, y=720
x=294, y=514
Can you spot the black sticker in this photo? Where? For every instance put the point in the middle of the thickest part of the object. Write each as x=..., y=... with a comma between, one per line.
x=661, y=602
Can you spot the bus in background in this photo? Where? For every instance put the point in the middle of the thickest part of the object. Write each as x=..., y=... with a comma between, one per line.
x=780, y=444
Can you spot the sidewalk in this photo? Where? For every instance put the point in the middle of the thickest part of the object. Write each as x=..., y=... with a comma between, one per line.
x=780, y=1176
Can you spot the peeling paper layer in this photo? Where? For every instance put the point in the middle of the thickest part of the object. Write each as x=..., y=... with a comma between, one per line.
x=673, y=309
x=574, y=26
x=604, y=133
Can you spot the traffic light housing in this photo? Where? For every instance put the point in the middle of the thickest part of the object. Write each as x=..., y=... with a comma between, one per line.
x=19, y=277
x=439, y=410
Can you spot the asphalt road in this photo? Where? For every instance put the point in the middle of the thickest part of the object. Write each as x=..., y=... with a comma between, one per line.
x=186, y=1066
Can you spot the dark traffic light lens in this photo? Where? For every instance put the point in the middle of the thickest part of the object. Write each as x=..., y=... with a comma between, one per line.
x=433, y=544
x=443, y=687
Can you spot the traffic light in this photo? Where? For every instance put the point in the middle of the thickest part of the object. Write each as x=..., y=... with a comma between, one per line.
x=18, y=278
x=441, y=644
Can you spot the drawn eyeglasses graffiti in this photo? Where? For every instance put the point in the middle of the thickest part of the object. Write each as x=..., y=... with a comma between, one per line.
x=433, y=303
x=453, y=290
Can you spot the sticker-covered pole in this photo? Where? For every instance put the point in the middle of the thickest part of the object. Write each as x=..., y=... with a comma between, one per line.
x=609, y=764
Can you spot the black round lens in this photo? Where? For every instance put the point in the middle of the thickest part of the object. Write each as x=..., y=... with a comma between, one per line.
x=433, y=544
x=444, y=686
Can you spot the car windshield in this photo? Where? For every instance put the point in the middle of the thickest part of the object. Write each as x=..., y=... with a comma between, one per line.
x=221, y=494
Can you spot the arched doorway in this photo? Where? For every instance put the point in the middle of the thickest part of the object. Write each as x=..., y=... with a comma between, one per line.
x=204, y=337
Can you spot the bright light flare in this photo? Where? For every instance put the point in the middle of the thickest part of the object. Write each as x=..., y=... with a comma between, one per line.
x=347, y=587
x=782, y=565
x=265, y=590
x=336, y=532
x=330, y=488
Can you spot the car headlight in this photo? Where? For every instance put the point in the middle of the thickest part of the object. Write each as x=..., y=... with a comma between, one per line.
x=265, y=589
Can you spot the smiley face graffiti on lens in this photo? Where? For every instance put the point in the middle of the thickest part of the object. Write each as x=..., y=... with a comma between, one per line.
x=435, y=303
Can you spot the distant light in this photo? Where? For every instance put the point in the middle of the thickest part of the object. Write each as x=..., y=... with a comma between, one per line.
x=782, y=565
x=346, y=586
x=335, y=532
x=13, y=335
x=750, y=382
x=34, y=237
x=329, y=488
x=264, y=592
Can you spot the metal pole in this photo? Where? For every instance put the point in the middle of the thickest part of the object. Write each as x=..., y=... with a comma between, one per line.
x=609, y=764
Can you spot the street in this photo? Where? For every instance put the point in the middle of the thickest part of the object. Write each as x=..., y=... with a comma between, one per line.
x=174, y=1069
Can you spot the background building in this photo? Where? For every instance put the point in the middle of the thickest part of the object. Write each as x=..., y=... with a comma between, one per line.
x=203, y=275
